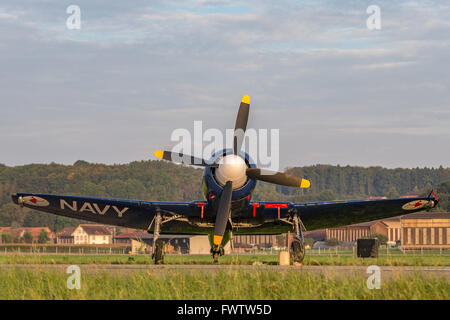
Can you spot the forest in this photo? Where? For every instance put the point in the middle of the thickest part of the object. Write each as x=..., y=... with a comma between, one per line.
x=163, y=181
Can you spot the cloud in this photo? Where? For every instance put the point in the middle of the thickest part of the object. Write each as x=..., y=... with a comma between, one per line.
x=387, y=65
x=137, y=71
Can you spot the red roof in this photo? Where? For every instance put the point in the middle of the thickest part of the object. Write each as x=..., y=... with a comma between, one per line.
x=95, y=229
x=66, y=232
x=131, y=235
x=34, y=231
x=427, y=215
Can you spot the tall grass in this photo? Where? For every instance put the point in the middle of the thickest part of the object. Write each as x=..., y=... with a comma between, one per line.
x=227, y=284
x=230, y=259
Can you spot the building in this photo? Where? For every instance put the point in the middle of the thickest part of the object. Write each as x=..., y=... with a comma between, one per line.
x=353, y=232
x=142, y=242
x=65, y=236
x=91, y=234
x=429, y=230
x=33, y=231
x=393, y=230
x=254, y=240
x=422, y=230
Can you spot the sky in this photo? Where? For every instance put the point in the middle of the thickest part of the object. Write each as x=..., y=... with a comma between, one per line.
x=115, y=90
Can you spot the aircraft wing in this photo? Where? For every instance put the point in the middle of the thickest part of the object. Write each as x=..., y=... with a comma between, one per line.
x=318, y=215
x=328, y=214
x=120, y=212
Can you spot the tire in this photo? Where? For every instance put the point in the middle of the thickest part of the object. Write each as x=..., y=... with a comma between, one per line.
x=297, y=251
x=159, y=252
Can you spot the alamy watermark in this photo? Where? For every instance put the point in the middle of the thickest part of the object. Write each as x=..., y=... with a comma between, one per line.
x=73, y=22
x=373, y=22
x=262, y=145
x=374, y=280
x=74, y=280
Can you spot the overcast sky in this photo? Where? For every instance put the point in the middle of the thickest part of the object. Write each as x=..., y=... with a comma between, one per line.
x=115, y=90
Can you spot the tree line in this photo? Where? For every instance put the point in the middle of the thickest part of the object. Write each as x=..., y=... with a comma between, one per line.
x=163, y=181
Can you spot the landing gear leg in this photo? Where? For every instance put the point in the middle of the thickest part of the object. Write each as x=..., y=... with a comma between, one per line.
x=298, y=245
x=158, y=245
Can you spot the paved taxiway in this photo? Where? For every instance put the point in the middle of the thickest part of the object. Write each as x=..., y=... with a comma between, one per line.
x=333, y=271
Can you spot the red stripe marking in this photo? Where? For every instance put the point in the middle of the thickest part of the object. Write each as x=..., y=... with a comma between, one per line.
x=201, y=205
x=276, y=205
x=255, y=205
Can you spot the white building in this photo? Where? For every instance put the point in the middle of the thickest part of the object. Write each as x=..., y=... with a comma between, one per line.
x=91, y=234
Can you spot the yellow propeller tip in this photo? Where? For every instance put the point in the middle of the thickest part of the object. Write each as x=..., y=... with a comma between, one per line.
x=246, y=99
x=217, y=240
x=305, y=183
x=159, y=154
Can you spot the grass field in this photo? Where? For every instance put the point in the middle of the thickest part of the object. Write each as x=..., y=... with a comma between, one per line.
x=228, y=259
x=255, y=285
x=224, y=284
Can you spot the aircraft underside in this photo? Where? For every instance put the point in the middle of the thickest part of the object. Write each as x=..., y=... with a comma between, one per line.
x=183, y=226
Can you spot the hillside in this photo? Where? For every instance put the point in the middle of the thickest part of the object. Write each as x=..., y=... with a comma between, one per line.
x=159, y=180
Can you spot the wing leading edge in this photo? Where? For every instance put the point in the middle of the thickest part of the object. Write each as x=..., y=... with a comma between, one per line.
x=319, y=215
x=119, y=212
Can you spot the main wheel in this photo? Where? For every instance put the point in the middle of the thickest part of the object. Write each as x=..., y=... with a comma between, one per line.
x=297, y=251
x=158, y=255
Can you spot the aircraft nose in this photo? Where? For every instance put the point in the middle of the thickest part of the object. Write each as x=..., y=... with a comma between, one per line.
x=232, y=168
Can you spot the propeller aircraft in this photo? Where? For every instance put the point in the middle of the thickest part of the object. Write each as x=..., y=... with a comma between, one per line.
x=229, y=179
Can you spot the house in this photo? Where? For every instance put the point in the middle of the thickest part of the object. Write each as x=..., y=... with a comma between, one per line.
x=65, y=236
x=33, y=231
x=91, y=234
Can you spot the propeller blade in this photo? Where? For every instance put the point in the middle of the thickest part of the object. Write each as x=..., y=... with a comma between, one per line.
x=279, y=178
x=241, y=124
x=222, y=213
x=182, y=158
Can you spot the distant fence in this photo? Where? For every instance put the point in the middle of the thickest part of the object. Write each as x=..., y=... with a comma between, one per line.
x=123, y=249
x=63, y=249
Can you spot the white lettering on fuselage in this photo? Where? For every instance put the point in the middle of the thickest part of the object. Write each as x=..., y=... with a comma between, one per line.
x=91, y=207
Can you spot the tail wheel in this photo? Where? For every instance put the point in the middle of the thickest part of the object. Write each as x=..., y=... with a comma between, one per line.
x=159, y=252
x=216, y=257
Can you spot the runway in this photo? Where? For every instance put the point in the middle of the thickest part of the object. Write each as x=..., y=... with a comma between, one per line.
x=328, y=271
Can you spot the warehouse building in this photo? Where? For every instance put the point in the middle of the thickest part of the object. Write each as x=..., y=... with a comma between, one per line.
x=423, y=230
x=356, y=231
x=393, y=231
x=254, y=240
x=142, y=242
x=426, y=230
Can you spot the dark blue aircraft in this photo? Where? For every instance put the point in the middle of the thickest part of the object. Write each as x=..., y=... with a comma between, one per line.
x=229, y=179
